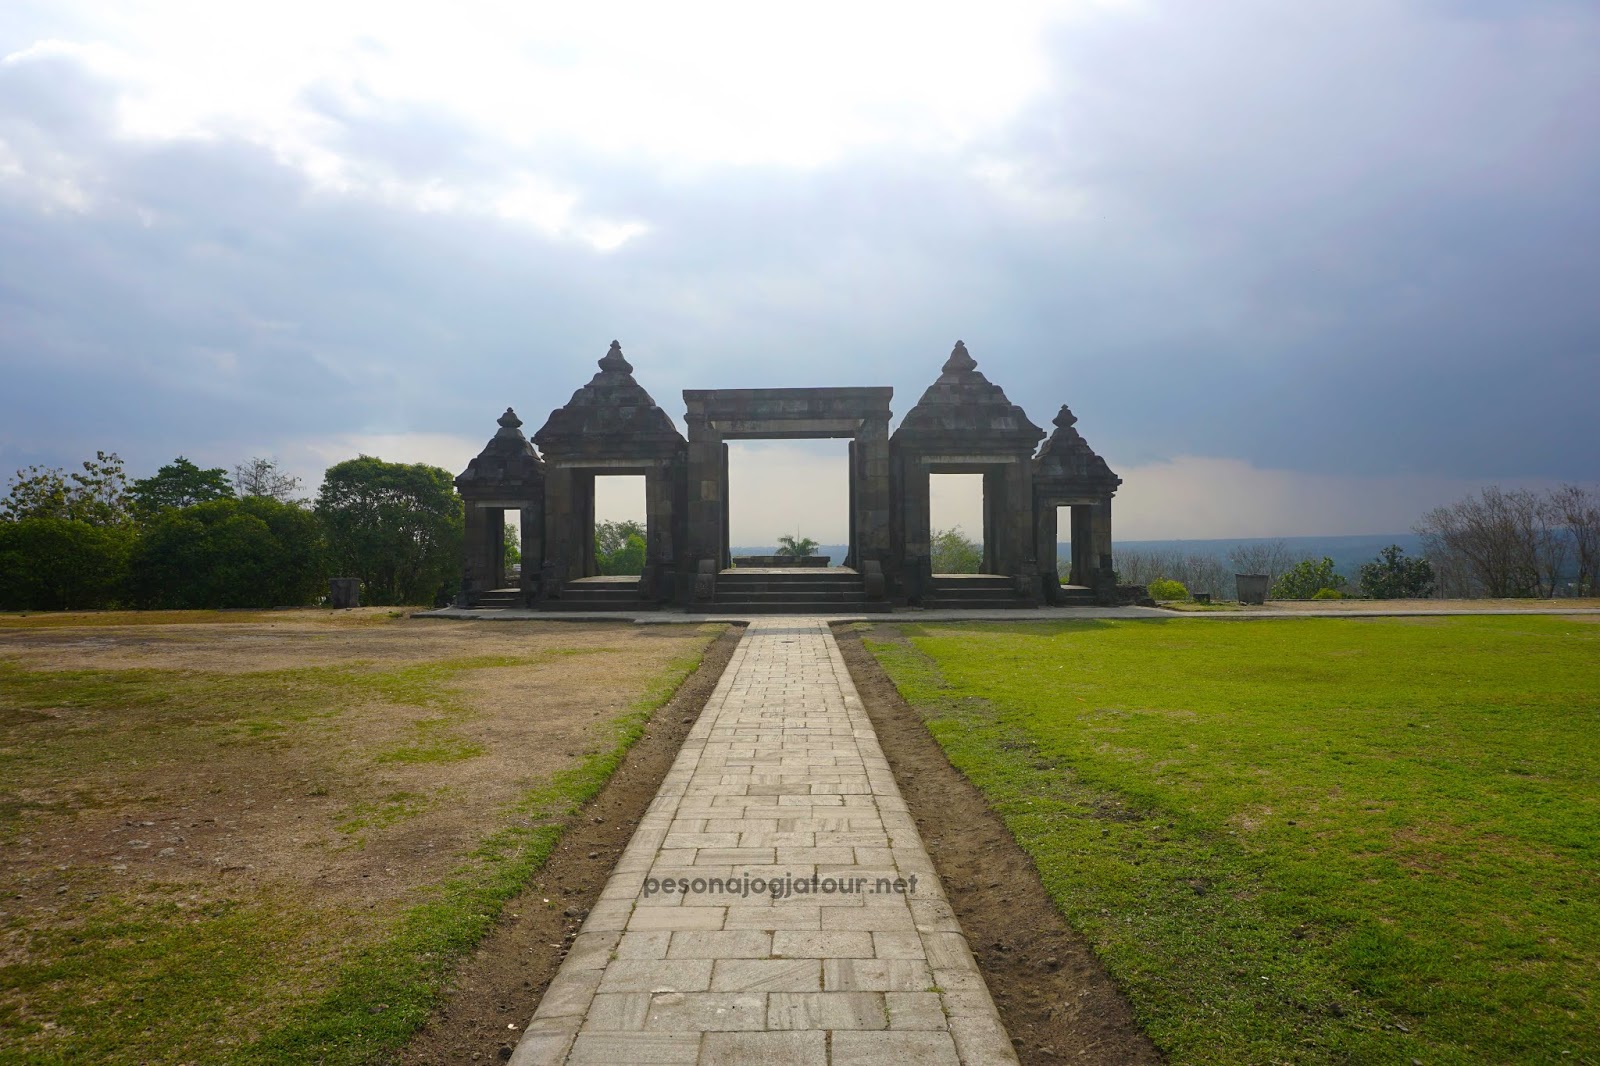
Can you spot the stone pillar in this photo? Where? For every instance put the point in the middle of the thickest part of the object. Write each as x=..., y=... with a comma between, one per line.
x=917, y=560
x=993, y=489
x=561, y=560
x=852, y=556
x=871, y=495
x=661, y=551
x=1016, y=527
x=706, y=490
x=725, y=557
x=532, y=549
x=1045, y=535
x=494, y=545
x=1101, y=575
x=1082, y=538
x=475, y=572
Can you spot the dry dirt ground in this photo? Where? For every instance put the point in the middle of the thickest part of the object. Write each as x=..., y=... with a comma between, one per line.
x=318, y=767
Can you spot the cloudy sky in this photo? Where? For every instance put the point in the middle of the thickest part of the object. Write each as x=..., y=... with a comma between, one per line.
x=1298, y=268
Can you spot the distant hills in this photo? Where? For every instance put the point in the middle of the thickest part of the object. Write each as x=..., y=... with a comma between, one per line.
x=1347, y=552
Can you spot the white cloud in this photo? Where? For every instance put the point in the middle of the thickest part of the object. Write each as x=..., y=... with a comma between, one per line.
x=714, y=84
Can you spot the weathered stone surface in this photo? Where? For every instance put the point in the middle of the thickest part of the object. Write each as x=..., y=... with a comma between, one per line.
x=963, y=411
x=612, y=417
x=964, y=423
x=611, y=426
x=507, y=475
x=1066, y=465
x=1067, y=472
x=715, y=416
x=507, y=467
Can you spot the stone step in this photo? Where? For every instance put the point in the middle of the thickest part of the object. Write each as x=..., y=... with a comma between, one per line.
x=784, y=607
x=626, y=592
x=1006, y=588
x=785, y=587
x=799, y=577
x=948, y=582
x=934, y=603
x=790, y=597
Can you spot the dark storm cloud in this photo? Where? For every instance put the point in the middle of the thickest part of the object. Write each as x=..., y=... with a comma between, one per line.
x=1360, y=242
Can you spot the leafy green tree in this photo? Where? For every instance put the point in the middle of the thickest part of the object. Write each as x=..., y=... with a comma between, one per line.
x=794, y=546
x=612, y=537
x=258, y=476
x=1392, y=576
x=954, y=553
x=179, y=484
x=619, y=547
x=96, y=494
x=397, y=527
x=1306, y=578
x=255, y=552
x=628, y=559
x=511, y=537
x=52, y=564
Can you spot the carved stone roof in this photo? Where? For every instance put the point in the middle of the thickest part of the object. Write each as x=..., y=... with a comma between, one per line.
x=965, y=411
x=508, y=466
x=1066, y=462
x=611, y=417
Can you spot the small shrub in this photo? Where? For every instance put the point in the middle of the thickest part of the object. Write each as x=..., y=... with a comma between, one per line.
x=1327, y=594
x=1167, y=589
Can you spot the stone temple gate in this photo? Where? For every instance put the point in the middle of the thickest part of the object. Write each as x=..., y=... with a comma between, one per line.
x=962, y=424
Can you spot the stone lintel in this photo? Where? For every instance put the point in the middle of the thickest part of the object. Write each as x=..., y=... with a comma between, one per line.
x=786, y=428
x=614, y=466
x=501, y=505
x=967, y=460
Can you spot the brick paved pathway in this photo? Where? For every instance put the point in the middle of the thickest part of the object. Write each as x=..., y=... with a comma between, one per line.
x=689, y=958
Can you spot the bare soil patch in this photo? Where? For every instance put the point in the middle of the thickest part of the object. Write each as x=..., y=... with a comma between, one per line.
x=322, y=768
x=500, y=986
x=1054, y=995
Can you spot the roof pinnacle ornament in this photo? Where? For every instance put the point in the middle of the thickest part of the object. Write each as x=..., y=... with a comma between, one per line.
x=509, y=420
x=613, y=360
x=1065, y=419
x=960, y=362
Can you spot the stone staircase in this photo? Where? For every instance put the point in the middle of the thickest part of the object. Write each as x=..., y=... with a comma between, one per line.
x=599, y=594
x=498, y=599
x=833, y=590
x=973, y=592
x=1075, y=596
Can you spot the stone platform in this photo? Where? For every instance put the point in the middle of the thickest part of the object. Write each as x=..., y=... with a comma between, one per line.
x=692, y=956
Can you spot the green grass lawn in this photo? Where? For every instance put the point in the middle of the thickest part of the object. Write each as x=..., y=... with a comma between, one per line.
x=1311, y=840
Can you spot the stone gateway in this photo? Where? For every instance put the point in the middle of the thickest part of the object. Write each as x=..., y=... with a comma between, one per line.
x=962, y=424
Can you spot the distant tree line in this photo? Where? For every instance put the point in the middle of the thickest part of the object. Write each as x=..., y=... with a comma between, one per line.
x=193, y=537
x=1517, y=543
x=1500, y=543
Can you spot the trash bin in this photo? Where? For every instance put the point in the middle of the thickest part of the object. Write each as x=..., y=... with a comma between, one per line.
x=1252, y=588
